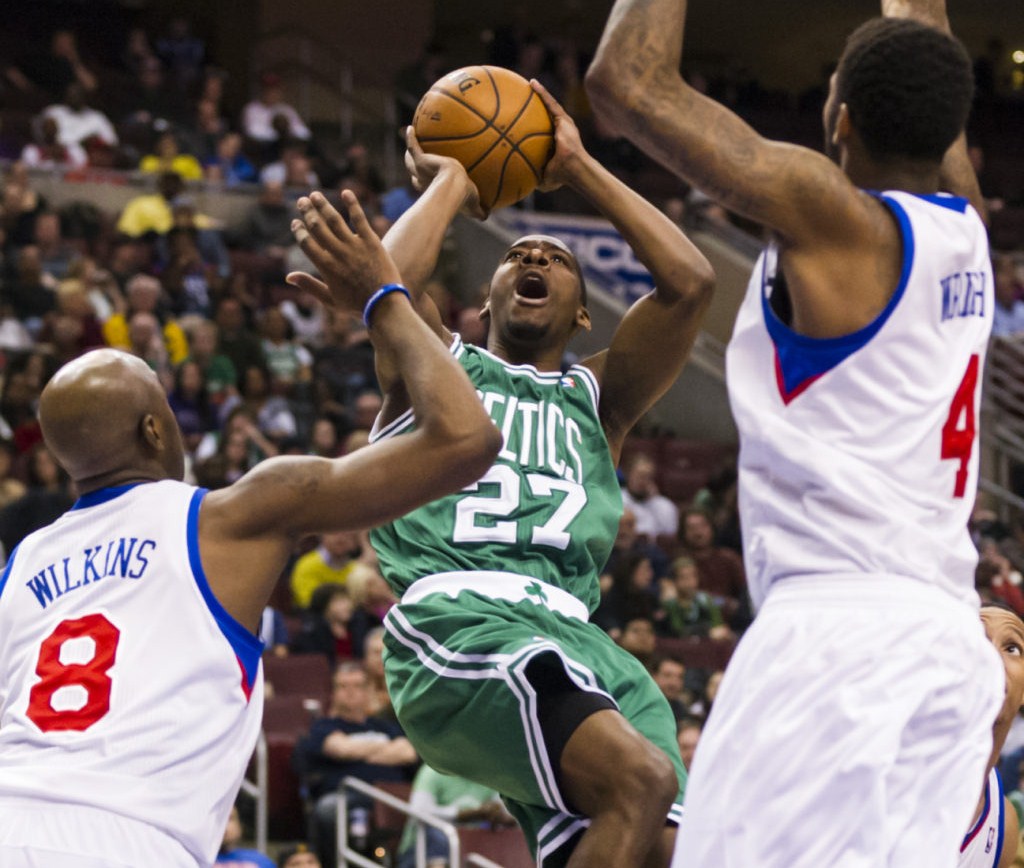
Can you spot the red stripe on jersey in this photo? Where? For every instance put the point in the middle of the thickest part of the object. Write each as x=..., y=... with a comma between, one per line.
x=246, y=686
x=796, y=391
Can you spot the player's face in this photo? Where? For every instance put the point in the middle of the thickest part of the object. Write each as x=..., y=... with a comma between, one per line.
x=1006, y=632
x=535, y=292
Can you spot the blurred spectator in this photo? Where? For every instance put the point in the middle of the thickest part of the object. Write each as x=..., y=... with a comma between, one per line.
x=293, y=169
x=670, y=676
x=228, y=165
x=358, y=167
x=272, y=412
x=267, y=225
x=78, y=124
x=137, y=51
x=996, y=580
x=273, y=632
x=638, y=638
x=231, y=853
x=628, y=542
x=373, y=662
x=73, y=304
x=720, y=570
x=151, y=212
x=189, y=400
x=323, y=440
x=14, y=337
x=48, y=497
x=237, y=342
x=21, y=204
x=702, y=708
x=328, y=564
x=168, y=158
x=685, y=610
x=218, y=371
x=288, y=361
x=655, y=513
x=298, y=856
x=187, y=279
x=54, y=70
x=633, y=590
x=143, y=296
x=202, y=135
x=10, y=488
x=49, y=153
x=146, y=341
x=450, y=798
x=55, y=252
x=327, y=625
x=258, y=116
x=414, y=80
x=209, y=240
x=31, y=293
x=688, y=735
x=1008, y=315
x=348, y=741
x=150, y=105
x=182, y=53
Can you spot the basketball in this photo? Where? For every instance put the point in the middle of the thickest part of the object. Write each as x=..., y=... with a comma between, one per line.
x=490, y=120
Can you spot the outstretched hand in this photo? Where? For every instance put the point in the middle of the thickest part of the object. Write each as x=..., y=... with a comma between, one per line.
x=424, y=167
x=352, y=262
x=569, y=151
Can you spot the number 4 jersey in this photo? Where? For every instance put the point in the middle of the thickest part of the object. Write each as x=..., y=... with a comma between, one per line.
x=548, y=507
x=124, y=685
x=859, y=454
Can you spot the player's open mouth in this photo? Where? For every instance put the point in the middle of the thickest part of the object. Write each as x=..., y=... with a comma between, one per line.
x=532, y=288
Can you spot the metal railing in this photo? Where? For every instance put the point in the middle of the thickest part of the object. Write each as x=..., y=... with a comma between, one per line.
x=348, y=856
x=257, y=791
x=1002, y=430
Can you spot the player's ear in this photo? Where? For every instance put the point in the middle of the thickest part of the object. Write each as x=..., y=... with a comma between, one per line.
x=485, y=309
x=582, y=318
x=841, y=132
x=149, y=429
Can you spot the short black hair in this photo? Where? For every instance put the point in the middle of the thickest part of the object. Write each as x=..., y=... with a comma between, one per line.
x=907, y=86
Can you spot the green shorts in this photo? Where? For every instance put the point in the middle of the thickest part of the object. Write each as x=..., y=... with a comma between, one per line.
x=455, y=669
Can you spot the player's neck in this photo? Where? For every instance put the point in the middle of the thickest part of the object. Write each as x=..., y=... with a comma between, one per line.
x=913, y=176
x=540, y=357
x=124, y=476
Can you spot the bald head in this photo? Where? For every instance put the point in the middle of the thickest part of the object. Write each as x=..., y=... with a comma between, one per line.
x=106, y=419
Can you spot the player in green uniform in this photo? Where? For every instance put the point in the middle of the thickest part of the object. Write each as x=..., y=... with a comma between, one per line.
x=494, y=671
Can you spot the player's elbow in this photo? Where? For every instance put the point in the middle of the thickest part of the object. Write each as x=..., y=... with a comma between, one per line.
x=472, y=449
x=608, y=87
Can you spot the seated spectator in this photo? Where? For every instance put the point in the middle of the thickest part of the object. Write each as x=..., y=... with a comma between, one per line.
x=188, y=399
x=633, y=590
x=272, y=412
x=137, y=51
x=328, y=564
x=273, y=632
x=143, y=296
x=231, y=853
x=288, y=361
x=31, y=292
x=55, y=251
x=218, y=370
x=267, y=225
x=20, y=205
x=236, y=339
x=687, y=735
x=670, y=676
x=151, y=212
x=146, y=341
x=373, y=662
x=323, y=439
x=187, y=279
x=228, y=165
x=48, y=497
x=327, y=625
x=168, y=158
x=686, y=611
x=994, y=579
x=73, y=305
x=720, y=571
x=49, y=153
x=259, y=114
x=182, y=52
x=14, y=337
x=349, y=742
x=52, y=71
x=1008, y=314
x=638, y=638
x=702, y=707
x=455, y=800
x=293, y=169
x=628, y=542
x=655, y=513
x=148, y=102
x=299, y=856
x=78, y=124
x=11, y=488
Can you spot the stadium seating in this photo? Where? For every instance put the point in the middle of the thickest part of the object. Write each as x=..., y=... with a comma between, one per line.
x=507, y=846
x=710, y=654
x=306, y=675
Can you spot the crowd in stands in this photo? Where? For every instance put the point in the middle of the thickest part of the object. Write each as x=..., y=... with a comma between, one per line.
x=254, y=369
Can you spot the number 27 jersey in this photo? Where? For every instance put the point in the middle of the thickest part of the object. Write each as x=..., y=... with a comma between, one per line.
x=859, y=454
x=549, y=506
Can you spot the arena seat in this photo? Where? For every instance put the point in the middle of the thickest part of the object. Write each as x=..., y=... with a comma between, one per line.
x=287, y=714
x=388, y=823
x=649, y=446
x=286, y=813
x=505, y=846
x=700, y=653
x=694, y=454
x=680, y=484
x=306, y=675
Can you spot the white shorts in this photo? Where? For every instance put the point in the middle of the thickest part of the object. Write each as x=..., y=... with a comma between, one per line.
x=51, y=835
x=852, y=729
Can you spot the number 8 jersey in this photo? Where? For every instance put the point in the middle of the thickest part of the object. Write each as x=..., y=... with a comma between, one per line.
x=124, y=685
x=859, y=454
x=549, y=506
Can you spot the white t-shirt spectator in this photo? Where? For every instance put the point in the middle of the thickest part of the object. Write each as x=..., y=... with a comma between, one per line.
x=75, y=127
x=35, y=157
x=258, y=117
x=654, y=515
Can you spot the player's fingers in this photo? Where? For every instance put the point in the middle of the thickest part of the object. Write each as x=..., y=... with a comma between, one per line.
x=550, y=102
x=335, y=222
x=360, y=225
x=411, y=142
x=307, y=283
x=313, y=250
x=317, y=227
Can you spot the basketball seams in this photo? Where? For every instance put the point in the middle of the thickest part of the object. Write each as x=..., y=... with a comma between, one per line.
x=513, y=145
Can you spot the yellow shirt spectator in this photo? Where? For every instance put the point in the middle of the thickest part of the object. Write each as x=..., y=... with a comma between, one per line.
x=330, y=562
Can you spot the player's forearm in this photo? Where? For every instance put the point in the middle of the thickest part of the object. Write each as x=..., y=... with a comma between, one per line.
x=679, y=269
x=415, y=240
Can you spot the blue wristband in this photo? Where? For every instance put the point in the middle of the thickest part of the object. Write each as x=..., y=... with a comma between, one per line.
x=374, y=299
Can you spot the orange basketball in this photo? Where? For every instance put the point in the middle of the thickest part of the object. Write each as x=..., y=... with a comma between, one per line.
x=491, y=121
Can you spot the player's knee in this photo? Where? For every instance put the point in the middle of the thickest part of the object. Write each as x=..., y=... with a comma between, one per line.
x=649, y=778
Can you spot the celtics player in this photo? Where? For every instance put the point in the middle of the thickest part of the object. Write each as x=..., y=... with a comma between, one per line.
x=493, y=669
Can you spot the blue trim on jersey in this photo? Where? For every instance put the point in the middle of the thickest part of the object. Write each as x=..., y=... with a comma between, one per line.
x=247, y=647
x=802, y=358
x=973, y=831
x=1001, y=819
x=7, y=569
x=953, y=203
x=103, y=495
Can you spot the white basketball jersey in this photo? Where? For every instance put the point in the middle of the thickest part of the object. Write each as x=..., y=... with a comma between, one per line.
x=124, y=684
x=983, y=844
x=859, y=454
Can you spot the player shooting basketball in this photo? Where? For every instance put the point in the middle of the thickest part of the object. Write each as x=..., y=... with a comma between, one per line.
x=493, y=669
x=853, y=373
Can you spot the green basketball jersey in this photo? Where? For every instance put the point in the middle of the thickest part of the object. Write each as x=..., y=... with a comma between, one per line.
x=548, y=507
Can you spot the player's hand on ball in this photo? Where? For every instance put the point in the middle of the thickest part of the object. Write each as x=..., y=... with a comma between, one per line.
x=424, y=167
x=569, y=150
x=352, y=262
